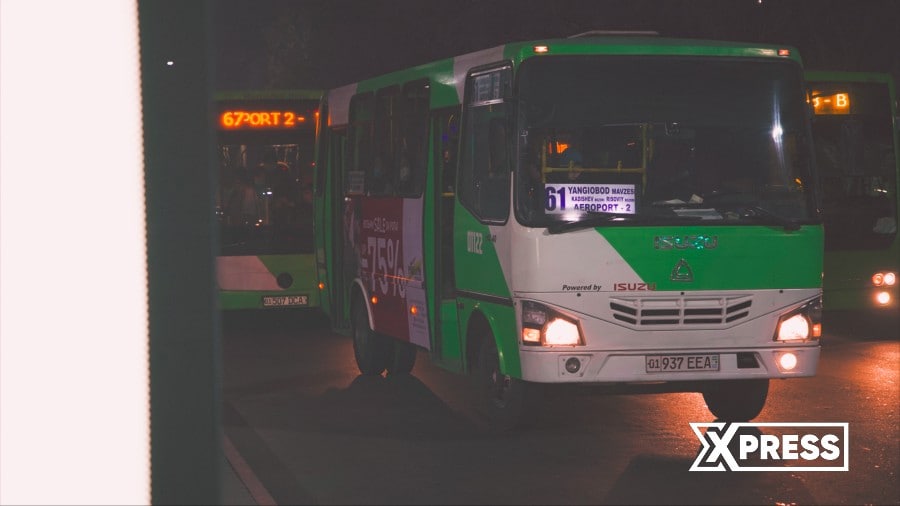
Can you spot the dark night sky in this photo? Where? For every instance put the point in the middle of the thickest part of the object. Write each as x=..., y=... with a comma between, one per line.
x=325, y=43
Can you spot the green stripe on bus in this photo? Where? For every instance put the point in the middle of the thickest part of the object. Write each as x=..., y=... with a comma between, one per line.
x=721, y=258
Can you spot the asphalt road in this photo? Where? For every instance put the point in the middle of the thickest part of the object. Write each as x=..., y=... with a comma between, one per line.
x=313, y=431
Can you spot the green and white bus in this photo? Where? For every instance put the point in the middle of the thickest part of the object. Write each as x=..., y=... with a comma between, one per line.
x=602, y=209
x=266, y=145
x=855, y=129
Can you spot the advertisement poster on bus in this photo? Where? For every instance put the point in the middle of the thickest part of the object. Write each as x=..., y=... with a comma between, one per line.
x=389, y=248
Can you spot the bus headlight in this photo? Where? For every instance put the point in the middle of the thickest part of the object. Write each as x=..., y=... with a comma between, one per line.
x=542, y=326
x=801, y=324
x=796, y=327
x=884, y=279
x=560, y=332
x=786, y=362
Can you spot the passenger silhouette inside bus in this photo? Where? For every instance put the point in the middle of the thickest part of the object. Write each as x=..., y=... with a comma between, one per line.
x=572, y=159
x=669, y=171
x=243, y=206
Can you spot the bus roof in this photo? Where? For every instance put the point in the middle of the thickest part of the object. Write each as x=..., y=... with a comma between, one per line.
x=286, y=94
x=848, y=76
x=447, y=76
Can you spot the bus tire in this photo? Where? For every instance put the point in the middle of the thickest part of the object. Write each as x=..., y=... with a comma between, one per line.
x=402, y=359
x=372, y=350
x=502, y=398
x=736, y=400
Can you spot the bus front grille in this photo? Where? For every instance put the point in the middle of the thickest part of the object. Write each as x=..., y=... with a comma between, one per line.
x=667, y=311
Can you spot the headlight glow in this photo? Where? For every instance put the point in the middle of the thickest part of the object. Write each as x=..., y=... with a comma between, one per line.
x=561, y=332
x=787, y=361
x=543, y=326
x=883, y=298
x=801, y=323
x=531, y=336
x=884, y=278
x=794, y=328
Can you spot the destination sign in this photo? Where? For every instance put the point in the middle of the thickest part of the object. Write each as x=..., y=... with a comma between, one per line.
x=260, y=120
x=836, y=103
x=596, y=198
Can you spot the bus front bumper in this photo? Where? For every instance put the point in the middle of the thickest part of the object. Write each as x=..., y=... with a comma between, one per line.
x=576, y=366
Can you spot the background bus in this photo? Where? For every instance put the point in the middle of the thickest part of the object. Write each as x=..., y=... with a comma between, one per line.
x=266, y=143
x=681, y=243
x=855, y=129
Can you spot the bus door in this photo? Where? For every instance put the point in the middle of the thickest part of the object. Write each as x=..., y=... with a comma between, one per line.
x=445, y=128
x=483, y=192
x=328, y=214
x=320, y=186
x=336, y=273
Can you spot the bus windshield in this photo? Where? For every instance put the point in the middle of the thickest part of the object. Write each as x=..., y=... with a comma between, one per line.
x=855, y=154
x=606, y=140
x=264, y=203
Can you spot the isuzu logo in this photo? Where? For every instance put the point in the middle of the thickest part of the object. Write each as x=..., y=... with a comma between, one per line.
x=685, y=241
x=682, y=271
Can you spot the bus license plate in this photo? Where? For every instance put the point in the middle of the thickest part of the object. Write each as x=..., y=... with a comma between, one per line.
x=285, y=300
x=681, y=363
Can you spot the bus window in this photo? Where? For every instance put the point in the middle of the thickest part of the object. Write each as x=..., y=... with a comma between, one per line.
x=360, y=154
x=855, y=154
x=382, y=178
x=484, y=168
x=447, y=142
x=412, y=146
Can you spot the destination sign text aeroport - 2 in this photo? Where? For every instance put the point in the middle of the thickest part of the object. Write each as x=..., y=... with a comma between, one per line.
x=259, y=120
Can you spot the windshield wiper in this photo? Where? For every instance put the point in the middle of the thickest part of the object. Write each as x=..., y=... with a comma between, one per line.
x=593, y=221
x=764, y=215
x=597, y=219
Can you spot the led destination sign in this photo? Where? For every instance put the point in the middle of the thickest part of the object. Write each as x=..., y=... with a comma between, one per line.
x=260, y=120
x=837, y=103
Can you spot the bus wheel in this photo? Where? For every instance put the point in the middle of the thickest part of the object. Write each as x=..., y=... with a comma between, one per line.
x=372, y=351
x=736, y=400
x=502, y=397
x=403, y=358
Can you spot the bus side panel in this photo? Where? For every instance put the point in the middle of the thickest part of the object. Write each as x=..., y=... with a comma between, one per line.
x=483, y=289
x=501, y=324
x=477, y=264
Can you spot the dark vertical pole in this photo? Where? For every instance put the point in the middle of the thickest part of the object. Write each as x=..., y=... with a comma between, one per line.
x=176, y=74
